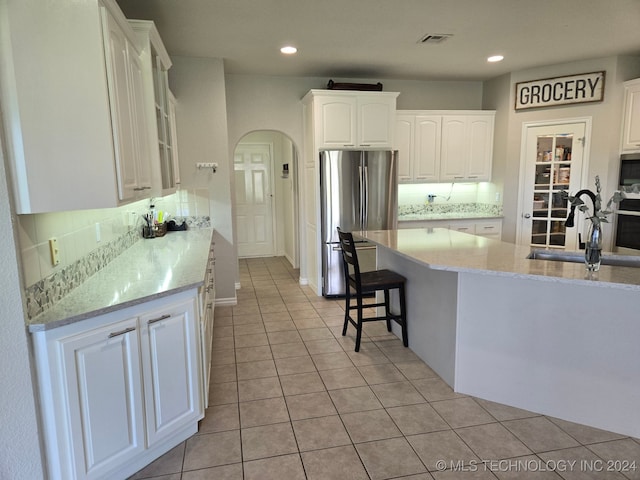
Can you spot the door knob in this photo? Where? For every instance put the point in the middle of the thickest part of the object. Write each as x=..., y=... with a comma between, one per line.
x=527, y=215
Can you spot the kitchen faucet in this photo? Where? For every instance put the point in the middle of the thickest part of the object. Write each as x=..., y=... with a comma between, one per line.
x=569, y=222
x=570, y=219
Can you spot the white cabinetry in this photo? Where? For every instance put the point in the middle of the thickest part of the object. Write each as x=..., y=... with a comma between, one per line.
x=100, y=369
x=631, y=119
x=128, y=119
x=120, y=389
x=335, y=119
x=207, y=295
x=490, y=227
x=444, y=146
x=158, y=104
x=418, y=142
x=345, y=119
x=76, y=121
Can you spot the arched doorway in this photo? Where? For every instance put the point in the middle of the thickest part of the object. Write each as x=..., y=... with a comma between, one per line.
x=266, y=196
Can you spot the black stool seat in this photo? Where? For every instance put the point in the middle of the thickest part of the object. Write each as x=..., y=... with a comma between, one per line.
x=366, y=283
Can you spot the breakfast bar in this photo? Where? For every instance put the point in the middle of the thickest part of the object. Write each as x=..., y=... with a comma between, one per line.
x=535, y=334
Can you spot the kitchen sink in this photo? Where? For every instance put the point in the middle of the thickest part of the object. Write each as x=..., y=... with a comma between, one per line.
x=578, y=257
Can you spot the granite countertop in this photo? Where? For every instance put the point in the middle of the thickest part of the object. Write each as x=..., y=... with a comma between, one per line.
x=149, y=269
x=443, y=249
x=417, y=217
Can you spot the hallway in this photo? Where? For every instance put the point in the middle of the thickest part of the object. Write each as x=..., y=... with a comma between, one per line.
x=290, y=399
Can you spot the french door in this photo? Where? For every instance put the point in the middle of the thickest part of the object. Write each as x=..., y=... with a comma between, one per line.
x=553, y=162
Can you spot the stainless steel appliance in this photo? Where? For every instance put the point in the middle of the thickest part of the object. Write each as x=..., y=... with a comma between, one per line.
x=358, y=191
x=628, y=226
x=629, y=169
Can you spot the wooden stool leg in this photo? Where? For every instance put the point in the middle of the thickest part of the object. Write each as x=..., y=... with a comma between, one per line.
x=346, y=311
x=359, y=327
x=387, y=309
x=403, y=316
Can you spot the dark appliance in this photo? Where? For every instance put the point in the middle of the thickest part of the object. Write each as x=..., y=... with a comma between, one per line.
x=629, y=169
x=628, y=226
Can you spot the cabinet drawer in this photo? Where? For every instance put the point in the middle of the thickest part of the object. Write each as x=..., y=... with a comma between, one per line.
x=464, y=227
x=489, y=228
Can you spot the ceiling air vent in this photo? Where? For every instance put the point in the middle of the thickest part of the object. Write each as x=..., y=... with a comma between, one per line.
x=433, y=38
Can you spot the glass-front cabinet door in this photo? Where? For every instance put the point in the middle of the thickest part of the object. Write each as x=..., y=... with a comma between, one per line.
x=553, y=165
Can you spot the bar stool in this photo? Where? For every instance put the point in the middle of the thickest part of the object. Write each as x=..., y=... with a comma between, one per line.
x=366, y=283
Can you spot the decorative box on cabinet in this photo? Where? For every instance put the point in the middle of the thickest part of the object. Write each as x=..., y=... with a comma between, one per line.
x=64, y=150
x=444, y=146
x=631, y=118
x=119, y=390
x=347, y=119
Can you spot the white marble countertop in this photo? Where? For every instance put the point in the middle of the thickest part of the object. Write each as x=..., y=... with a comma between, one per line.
x=148, y=270
x=443, y=249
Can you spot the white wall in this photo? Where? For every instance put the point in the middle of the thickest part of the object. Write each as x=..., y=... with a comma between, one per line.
x=273, y=103
x=20, y=454
x=606, y=124
x=201, y=120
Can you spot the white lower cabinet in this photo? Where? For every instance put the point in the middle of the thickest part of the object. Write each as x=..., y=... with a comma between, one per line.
x=490, y=227
x=119, y=390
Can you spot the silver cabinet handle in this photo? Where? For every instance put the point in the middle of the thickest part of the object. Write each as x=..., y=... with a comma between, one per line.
x=154, y=320
x=121, y=332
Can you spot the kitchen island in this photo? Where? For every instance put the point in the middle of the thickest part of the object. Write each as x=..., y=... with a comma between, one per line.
x=534, y=334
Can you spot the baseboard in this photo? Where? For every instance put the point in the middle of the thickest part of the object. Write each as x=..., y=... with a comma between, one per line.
x=303, y=281
x=238, y=286
x=226, y=301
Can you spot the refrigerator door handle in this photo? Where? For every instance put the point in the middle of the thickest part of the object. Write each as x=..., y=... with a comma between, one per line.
x=339, y=248
x=362, y=200
x=365, y=215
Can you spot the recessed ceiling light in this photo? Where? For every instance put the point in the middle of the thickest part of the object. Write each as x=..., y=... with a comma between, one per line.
x=495, y=58
x=288, y=50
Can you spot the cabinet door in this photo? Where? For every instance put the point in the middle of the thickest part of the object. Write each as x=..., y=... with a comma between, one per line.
x=102, y=373
x=480, y=148
x=118, y=71
x=454, y=147
x=376, y=121
x=404, y=144
x=139, y=116
x=170, y=364
x=336, y=122
x=426, y=166
x=174, y=139
x=631, y=121
x=463, y=226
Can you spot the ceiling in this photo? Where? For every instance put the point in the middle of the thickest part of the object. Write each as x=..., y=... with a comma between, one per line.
x=378, y=39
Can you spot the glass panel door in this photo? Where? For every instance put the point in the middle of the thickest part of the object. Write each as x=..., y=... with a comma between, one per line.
x=553, y=165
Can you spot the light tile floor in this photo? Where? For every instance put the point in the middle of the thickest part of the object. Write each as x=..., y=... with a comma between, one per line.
x=290, y=399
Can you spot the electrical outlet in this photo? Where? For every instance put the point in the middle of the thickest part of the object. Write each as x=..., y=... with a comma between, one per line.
x=54, y=250
x=98, y=236
x=497, y=196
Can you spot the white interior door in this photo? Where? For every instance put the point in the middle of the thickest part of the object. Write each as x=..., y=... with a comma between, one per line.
x=254, y=200
x=553, y=161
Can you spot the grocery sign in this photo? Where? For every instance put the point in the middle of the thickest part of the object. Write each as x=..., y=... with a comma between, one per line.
x=551, y=92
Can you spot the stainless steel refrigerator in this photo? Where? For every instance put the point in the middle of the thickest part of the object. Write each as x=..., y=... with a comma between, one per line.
x=358, y=191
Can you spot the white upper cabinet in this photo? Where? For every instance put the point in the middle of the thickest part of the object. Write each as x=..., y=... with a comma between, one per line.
x=467, y=147
x=631, y=119
x=158, y=105
x=126, y=97
x=438, y=146
x=346, y=119
x=76, y=121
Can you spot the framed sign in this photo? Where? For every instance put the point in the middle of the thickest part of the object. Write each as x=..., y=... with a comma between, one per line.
x=551, y=92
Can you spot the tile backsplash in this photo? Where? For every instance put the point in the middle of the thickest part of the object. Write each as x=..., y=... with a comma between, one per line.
x=88, y=240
